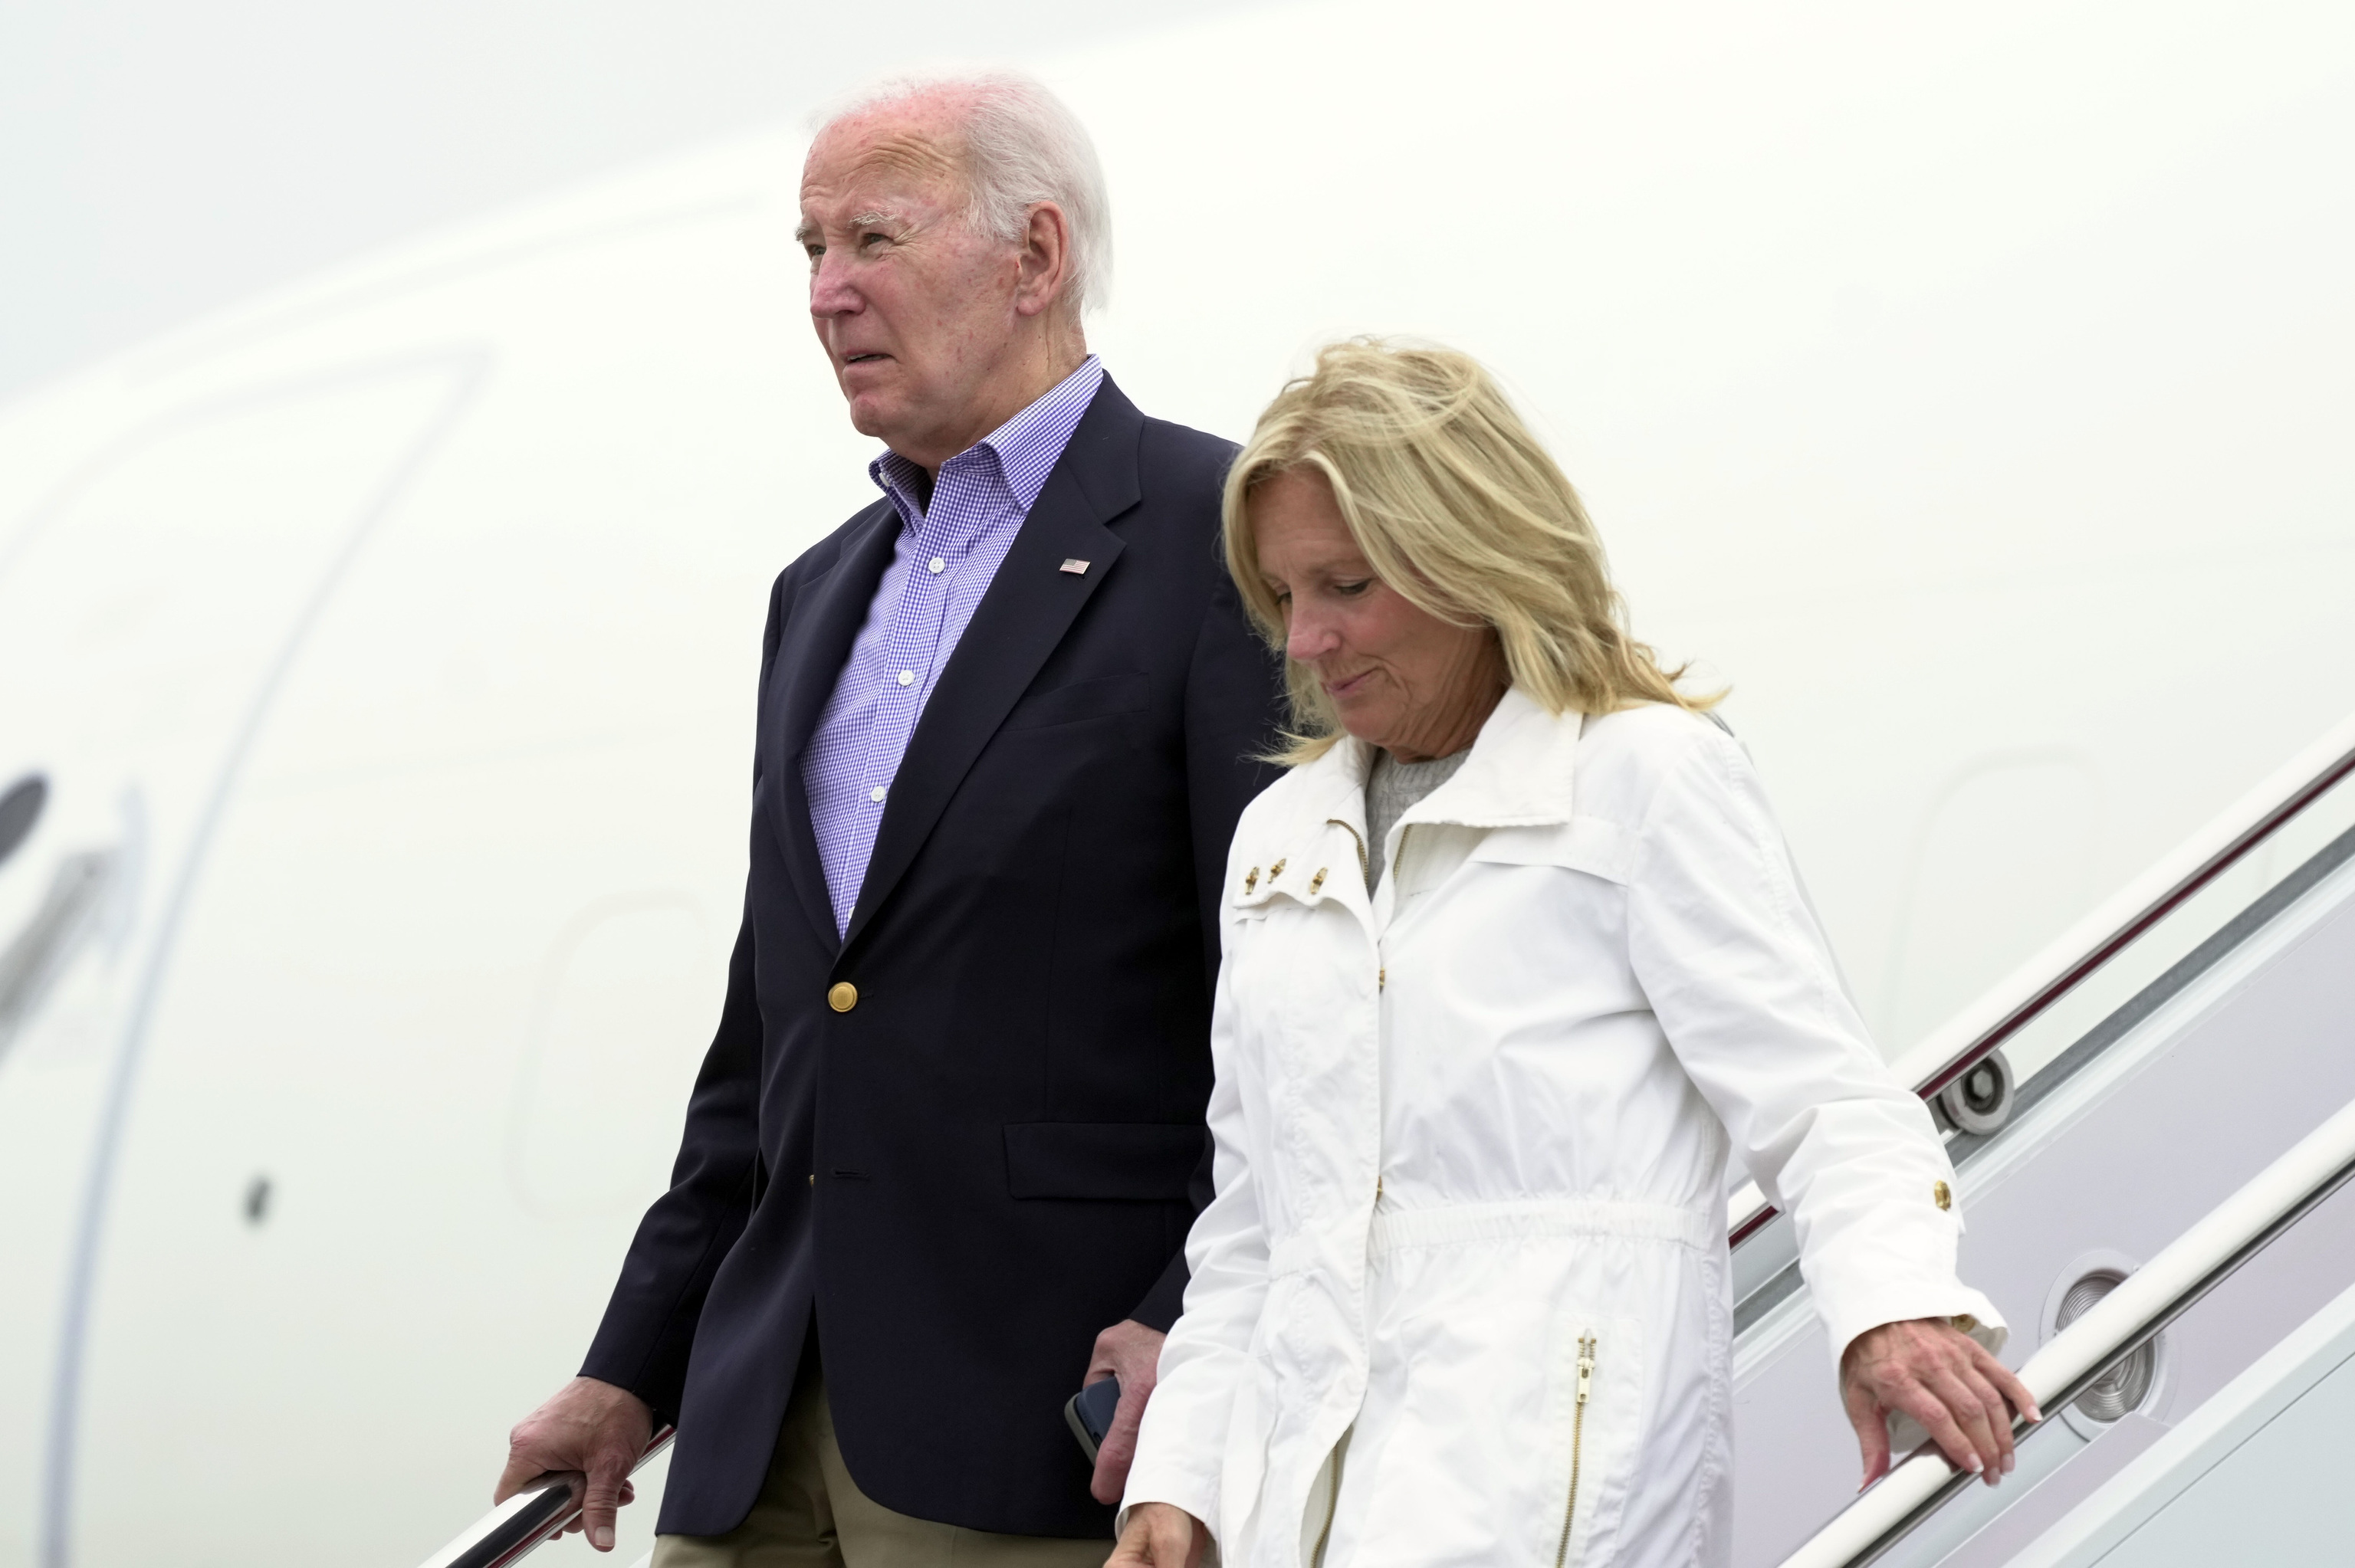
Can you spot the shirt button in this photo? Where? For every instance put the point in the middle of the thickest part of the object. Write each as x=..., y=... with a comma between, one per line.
x=936, y=566
x=907, y=677
x=876, y=794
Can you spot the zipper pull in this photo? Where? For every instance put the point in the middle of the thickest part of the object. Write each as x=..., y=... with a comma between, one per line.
x=1586, y=1366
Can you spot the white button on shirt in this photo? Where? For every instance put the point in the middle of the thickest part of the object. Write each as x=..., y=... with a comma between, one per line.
x=876, y=794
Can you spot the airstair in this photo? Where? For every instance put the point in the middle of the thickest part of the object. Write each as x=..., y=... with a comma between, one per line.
x=2153, y=1129
x=2152, y=1125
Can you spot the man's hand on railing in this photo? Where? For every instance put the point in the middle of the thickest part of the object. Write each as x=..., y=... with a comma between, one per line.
x=1929, y=1370
x=590, y=1426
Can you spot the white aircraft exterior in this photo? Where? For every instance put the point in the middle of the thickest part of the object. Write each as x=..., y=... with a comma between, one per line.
x=1967, y=389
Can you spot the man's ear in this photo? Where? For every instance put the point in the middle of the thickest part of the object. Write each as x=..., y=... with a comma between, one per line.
x=1046, y=261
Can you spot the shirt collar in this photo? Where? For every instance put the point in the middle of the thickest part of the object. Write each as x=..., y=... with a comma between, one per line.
x=1024, y=449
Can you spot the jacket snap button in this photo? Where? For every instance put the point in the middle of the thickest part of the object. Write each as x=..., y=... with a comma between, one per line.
x=1317, y=881
x=1251, y=879
x=842, y=996
x=1276, y=871
x=1941, y=1194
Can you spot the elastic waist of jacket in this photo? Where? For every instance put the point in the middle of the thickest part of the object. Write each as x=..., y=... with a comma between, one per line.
x=1448, y=1225
x=1396, y=1228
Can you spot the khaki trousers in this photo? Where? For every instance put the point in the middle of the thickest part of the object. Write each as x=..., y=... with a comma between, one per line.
x=811, y=1514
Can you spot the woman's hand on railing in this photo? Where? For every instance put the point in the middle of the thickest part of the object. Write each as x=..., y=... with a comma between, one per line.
x=596, y=1428
x=1160, y=1535
x=1928, y=1369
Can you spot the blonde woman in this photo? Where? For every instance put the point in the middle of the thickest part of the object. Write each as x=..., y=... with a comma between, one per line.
x=1515, y=959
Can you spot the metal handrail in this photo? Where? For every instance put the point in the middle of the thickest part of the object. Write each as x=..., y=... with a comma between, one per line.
x=2122, y=1322
x=2069, y=960
x=529, y=1519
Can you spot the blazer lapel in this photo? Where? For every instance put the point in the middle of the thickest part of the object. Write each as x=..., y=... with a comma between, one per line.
x=1028, y=605
x=822, y=623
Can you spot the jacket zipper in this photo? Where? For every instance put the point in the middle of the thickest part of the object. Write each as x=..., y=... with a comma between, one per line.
x=1577, y=1437
x=1365, y=867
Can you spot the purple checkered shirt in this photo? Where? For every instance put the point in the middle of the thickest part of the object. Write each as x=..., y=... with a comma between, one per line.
x=944, y=561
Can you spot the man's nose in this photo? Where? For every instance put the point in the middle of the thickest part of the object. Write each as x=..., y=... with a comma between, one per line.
x=831, y=293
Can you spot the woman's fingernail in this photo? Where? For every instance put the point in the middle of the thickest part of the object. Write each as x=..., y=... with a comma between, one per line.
x=2008, y=1461
x=1976, y=1465
x=604, y=1537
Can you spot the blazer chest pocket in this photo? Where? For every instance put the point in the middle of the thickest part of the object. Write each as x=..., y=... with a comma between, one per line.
x=1130, y=1161
x=1106, y=696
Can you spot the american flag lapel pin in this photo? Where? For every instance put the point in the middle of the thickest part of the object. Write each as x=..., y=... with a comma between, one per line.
x=1073, y=565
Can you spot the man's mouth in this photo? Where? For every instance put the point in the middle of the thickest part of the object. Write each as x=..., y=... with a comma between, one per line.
x=863, y=358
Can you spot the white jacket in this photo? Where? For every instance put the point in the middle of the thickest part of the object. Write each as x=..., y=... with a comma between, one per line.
x=1471, y=1136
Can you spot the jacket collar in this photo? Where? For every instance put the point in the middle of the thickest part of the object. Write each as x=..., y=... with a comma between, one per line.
x=819, y=626
x=1518, y=775
x=1021, y=618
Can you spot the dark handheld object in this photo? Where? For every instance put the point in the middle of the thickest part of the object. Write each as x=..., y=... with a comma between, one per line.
x=1089, y=1414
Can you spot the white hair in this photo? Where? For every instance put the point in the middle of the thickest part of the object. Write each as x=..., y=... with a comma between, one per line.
x=1022, y=146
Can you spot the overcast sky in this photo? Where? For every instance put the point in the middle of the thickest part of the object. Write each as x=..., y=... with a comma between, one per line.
x=159, y=158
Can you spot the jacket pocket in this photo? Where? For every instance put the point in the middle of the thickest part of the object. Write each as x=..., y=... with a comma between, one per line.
x=1596, y=1394
x=1128, y=1162
x=1102, y=697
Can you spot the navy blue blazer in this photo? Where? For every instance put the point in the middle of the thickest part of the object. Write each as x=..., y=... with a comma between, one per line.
x=997, y=1152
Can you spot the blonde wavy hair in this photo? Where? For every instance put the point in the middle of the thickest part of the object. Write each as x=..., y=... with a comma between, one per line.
x=1457, y=505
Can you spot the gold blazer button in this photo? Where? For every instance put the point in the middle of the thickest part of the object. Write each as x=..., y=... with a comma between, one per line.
x=842, y=996
x=1942, y=1195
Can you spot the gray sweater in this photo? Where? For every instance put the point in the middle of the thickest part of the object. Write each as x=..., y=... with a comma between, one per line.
x=1390, y=789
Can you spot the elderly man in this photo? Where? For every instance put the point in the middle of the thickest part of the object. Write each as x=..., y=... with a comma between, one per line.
x=941, y=1160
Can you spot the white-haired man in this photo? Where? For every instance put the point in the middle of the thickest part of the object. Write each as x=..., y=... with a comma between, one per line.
x=943, y=1155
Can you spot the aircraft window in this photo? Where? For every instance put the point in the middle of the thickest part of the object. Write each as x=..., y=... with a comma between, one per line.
x=20, y=808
